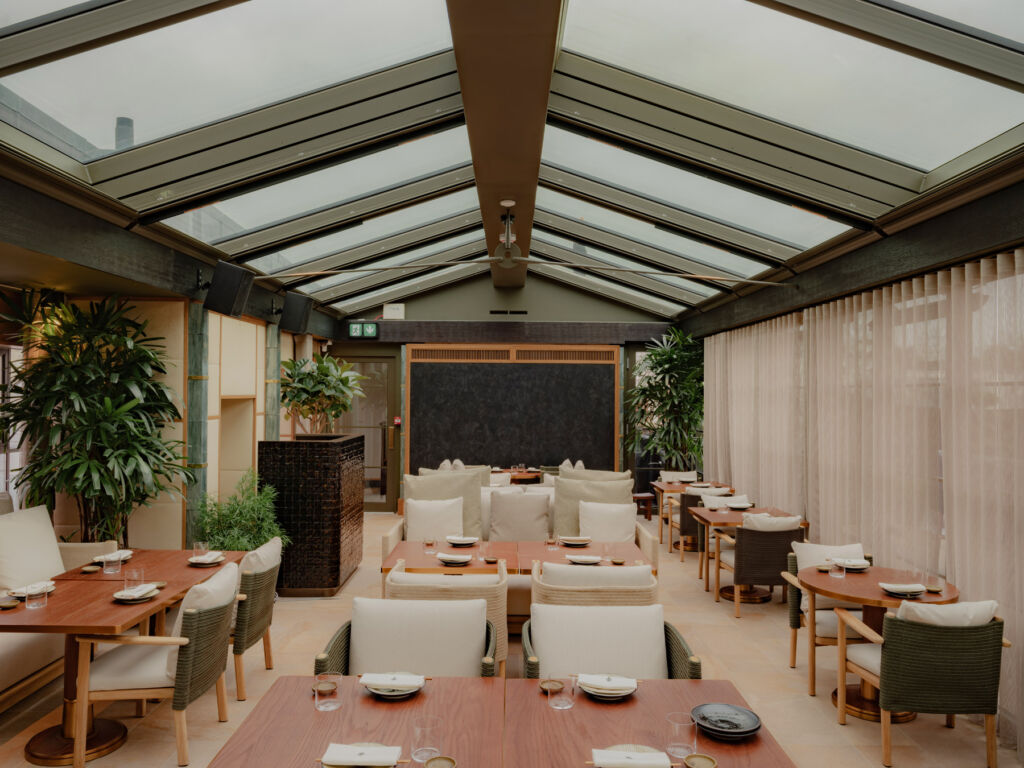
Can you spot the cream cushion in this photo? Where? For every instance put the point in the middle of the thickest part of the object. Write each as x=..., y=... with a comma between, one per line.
x=22, y=653
x=499, y=479
x=728, y=555
x=443, y=579
x=6, y=503
x=548, y=479
x=624, y=640
x=826, y=623
x=594, y=474
x=565, y=575
x=762, y=521
x=28, y=548
x=567, y=464
x=444, y=638
x=217, y=590
x=668, y=476
x=714, y=491
x=520, y=590
x=569, y=494
x=578, y=464
x=448, y=485
x=548, y=491
x=720, y=502
x=445, y=466
x=481, y=472
x=607, y=522
x=432, y=518
x=486, y=494
x=809, y=555
x=133, y=666
x=867, y=655
x=971, y=614
x=519, y=517
x=457, y=465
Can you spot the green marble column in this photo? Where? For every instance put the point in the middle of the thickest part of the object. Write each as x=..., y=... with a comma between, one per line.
x=198, y=383
x=272, y=418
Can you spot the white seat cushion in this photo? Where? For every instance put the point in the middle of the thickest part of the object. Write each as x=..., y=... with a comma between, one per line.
x=624, y=640
x=519, y=517
x=867, y=655
x=766, y=522
x=217, y=590
x=607, y=522
x=714, y=491
x=28, y=548
x=565, y=575
x=719, y=502
x=594, y=474
x=970, y=614
x=426, y=637
x=669, y=476
x=826, y=623
x=728, y=556
x=133, y=666
x=520, y=592
x=448, y=485
x=808, y=555
x=433, y=518
x=569, y=494
x=22, y=653
x=499, y=479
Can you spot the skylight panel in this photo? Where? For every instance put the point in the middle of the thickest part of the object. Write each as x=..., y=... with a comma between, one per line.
x=1003, y=18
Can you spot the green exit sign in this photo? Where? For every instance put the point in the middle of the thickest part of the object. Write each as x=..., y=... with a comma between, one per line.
x=362, y=330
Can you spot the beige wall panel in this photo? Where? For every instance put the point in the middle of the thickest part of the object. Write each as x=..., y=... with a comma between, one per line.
x=229, y=481
x=261, y=369
x=238, y=373
x=158, y=526
x=166, y=319
x=237, y=425
x=213, y=458
x=213, y=390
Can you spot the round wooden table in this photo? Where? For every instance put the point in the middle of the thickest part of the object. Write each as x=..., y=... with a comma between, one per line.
x=862, y=698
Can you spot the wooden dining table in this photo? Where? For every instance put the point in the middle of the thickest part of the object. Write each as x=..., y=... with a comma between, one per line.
x=284, y=730
x=862, y=588
x=537, y=736
x=664, y=515
x=627, y=551
x=83, y=604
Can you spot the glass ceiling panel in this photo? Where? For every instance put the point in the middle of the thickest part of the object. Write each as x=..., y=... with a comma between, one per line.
x=16, y=11
x=644, y=232
x=394, y=261
x=1004, y=18
x=369, y=230
x=687, y=191
x=617, y=261
x=640, y=297
x=382, y=292
x=799, y=73
x=220, y=64
x=326, y=188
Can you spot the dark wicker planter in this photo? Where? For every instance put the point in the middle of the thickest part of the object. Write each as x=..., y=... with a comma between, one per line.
x=319, y=482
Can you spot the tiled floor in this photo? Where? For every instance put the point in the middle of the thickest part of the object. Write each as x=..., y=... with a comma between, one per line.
x=751, y=651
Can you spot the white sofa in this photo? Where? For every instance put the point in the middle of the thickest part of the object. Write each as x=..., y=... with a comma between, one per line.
x=29, y=552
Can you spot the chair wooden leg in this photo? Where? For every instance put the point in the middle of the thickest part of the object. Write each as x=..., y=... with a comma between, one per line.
x=181, y=736
x=840, y=674
x=81, y=714
x=239, y=676
x=991, y=753
x=718, y=579
x=792, y=647
x=812, y=667
x=140, y=708
x=682, y=547
x=951, y=721
x=501, y=668
x=222, y=697
x=886, y=738
x=736, y=597
x=268, y=654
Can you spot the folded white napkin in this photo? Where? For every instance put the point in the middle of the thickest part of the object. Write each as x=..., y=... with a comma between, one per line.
x=583, y=559
x=851, y=562
x=348, y=754
x=452, y=558
x=121, y=554
x=608, y=758
x=34, y=588
x=613, y=683
x=139, y=591
x=392, y=680
x=901, y=587
x=209, y=557
x=575, y=539
x=462, y=539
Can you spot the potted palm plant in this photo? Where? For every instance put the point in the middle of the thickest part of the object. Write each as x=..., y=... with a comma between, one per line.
x=318, y=478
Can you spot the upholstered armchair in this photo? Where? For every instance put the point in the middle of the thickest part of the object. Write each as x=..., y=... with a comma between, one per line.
x=758, y=557
x=563, y=584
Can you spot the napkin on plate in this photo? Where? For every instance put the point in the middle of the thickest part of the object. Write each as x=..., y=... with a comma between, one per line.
x=851, y=562
x=610, y=758
x=34, y=588
x=901, y=588
x=121, y=554
x=392, y=680
x=139, y=591
x=453, y=558
x=575, y=539
x=583, y=559
x=462, y=539
x=349, y=754
x=209, y=557
x=609, y=683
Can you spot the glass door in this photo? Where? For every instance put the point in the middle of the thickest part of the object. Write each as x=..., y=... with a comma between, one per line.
x=373, y=418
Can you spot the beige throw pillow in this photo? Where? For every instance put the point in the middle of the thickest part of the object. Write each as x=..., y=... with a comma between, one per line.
x=519, y=517
x=569, y=494
x=594, y=474
x=448, y=485
x=432, y=518
x=607, y=522
x=762, y=521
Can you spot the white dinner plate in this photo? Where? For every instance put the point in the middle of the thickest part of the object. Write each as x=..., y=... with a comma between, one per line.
x=583, y=559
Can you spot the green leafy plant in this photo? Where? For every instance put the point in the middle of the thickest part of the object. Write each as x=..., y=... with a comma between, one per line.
x=665, y=406
x=320, y=389
x=90, y=408
x=243, y=522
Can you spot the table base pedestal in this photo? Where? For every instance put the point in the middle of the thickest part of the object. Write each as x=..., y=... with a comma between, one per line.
x=748, y=594
x=52, y=747
x=863, y=708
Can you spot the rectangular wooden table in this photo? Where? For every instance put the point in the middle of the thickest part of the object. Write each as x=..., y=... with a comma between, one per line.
x=285, y=731
x=664, y=516
x=537, y=736
x=538, y=550
x=159, y=564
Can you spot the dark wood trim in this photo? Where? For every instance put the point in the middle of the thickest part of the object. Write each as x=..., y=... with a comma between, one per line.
x=455, y=332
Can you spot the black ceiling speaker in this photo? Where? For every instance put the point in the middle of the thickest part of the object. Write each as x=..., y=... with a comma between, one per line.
x=296, y=313
x=229, y=289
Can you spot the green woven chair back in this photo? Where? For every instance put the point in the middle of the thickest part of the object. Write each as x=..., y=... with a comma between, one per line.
x=205, y=657
x=257, y=610
x=761, y=556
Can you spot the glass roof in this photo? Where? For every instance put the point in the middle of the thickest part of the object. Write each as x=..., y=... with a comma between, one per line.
x=397, y=260
x=1004, y=18
x=327, y=187
x=382, y=293
x=644, y=232
x=16, y=11
x=617, y=261
x=223, y=63
x=686, y=191
x=799, y=73
x=388, y=224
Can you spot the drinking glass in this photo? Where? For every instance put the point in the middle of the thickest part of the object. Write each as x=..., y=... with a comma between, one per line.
x=552, y=545
x=326, y=692
x=36, y=598
x=428, y=547
x=682, y=734
x=426, y=738
x=134, y=577
x=564, y=697
x=112, y=564
x=199, y=548
x=837, y=570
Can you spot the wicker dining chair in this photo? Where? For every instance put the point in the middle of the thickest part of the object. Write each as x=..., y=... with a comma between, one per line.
x=585, y=590
x=493, y=588
x=920, y=667
x=757, y=558
x=139, y=668
x=252, y=623
x=680, y=519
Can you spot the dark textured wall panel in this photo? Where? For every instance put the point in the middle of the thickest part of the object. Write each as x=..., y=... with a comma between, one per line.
x=500, y=413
